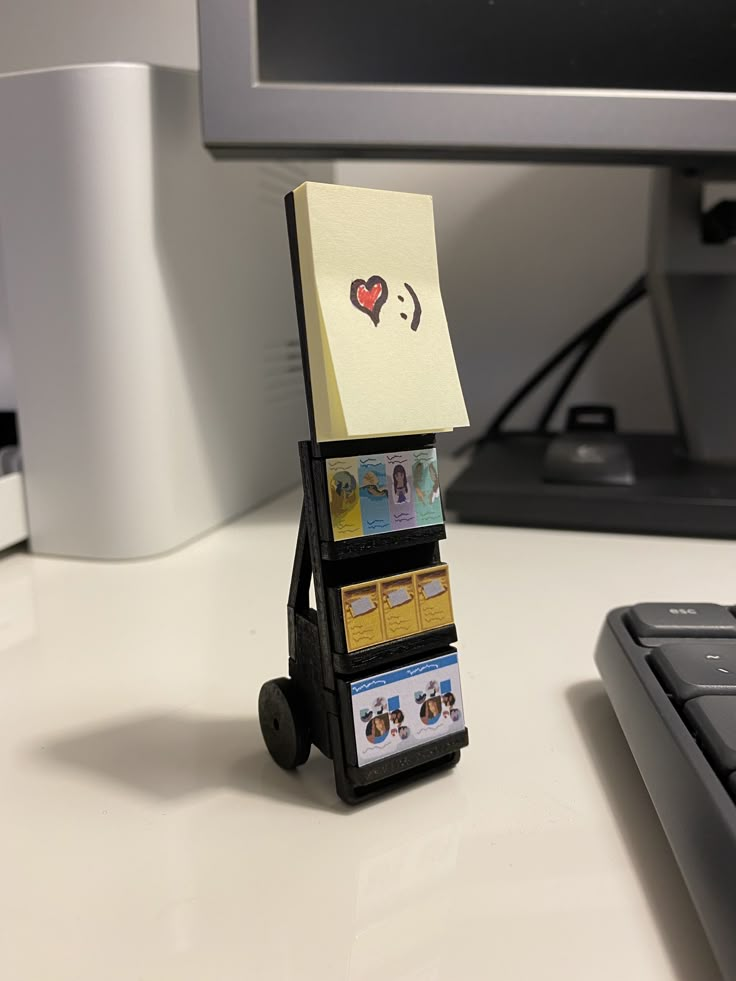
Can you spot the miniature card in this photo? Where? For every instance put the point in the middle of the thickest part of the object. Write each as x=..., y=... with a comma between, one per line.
x=362, y=615
x=425, y=477
x=406, y=707
x=400, y=491
x=399, y=604
x=373, y=489
x=344, y=499
x=433, y=598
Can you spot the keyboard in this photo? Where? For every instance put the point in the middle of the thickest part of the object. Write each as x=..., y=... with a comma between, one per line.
x=670, y=672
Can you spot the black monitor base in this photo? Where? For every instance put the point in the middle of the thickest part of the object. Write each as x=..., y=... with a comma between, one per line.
x=672, y=495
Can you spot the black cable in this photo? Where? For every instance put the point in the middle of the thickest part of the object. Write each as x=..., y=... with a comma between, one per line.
x=590, y=335
x=637, y=290
x=539, y=375
x=570, y=376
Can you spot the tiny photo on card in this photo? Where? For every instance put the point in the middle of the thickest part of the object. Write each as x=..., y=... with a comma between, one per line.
x=361, y=612
x=406, y=707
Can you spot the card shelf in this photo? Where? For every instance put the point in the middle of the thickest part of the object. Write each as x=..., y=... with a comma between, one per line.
x=359, y=548
x=417, y=647
x=445, y=749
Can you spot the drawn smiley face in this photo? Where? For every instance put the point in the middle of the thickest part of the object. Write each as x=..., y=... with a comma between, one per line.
x=416, y=314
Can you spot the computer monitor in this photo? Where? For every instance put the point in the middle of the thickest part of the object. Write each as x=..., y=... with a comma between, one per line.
x=609, y=80
x=631, y=81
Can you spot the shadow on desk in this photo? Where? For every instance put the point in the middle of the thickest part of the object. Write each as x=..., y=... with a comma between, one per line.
x=664, y=887
x=169, y=756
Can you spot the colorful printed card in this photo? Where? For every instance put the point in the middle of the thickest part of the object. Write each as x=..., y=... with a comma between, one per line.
x=400, y=491
x=380, y=356
x=407, y=707
x=399, y=606
x=426, y=480
x=373, y=490
x=342, y=489
x=378, y=493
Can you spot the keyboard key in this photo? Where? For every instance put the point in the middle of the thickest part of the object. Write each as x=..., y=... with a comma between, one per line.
x=713, y=718
x=696, y=668
x=650, y=620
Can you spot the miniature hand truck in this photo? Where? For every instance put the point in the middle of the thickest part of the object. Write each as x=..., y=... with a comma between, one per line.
x=318, y=703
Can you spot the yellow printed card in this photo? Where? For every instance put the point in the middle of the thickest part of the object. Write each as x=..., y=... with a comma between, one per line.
x=433, y=597
x=362, y=615
x=399, y=604
x=380, y=356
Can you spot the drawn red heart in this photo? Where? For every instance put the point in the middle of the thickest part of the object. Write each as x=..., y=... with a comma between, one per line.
x=369, y=295
x=367, y=298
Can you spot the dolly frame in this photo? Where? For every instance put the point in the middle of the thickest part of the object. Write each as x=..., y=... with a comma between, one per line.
x=312, y=706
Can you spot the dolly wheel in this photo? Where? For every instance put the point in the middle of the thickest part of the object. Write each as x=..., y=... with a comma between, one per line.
x=283, y=723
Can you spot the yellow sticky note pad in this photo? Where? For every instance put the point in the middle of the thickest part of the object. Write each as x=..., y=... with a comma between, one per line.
x=380, y=357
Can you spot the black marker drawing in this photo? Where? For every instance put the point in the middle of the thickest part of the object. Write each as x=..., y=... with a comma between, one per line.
x=417, y=308
x=369, y=296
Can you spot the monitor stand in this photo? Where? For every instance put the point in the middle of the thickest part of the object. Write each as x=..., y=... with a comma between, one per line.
x=685, y=483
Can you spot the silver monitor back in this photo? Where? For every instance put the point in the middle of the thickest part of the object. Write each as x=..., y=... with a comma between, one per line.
x=303, y=80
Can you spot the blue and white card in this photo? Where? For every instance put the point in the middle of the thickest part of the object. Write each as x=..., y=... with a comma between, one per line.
x=406, y=707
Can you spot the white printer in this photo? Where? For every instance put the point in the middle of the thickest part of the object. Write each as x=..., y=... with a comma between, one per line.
x=146, y=293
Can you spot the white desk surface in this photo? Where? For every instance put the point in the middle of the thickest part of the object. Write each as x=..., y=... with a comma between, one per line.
x=145, y=835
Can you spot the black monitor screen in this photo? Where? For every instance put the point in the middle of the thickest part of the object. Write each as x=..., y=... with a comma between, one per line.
x=683, y=45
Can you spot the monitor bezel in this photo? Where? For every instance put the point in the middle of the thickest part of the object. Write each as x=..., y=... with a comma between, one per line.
x=244, y=117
